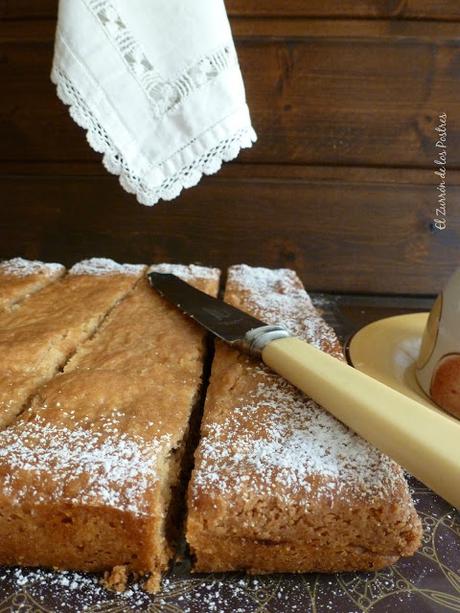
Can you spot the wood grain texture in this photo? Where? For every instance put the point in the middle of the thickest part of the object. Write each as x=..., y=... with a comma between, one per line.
x=339, y=186
x=345, y=9
x=351, y=93
x=321, y=92
x=28, y=9
x=395, y=9
x=342, y=230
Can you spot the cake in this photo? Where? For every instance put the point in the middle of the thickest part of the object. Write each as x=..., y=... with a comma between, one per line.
x=20, y=278
x=90, y=471
x=279, y=485
x=37, y=338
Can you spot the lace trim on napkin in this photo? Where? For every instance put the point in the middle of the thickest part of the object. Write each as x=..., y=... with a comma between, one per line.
x=163, y=94
x=188, y=176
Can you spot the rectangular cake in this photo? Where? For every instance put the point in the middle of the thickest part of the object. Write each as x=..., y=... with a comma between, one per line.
x=279, y=485
x=89, y=471
x=20, y=278
x=37, y=338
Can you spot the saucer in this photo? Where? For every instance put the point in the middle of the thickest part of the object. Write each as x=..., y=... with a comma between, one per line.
x=388, y=350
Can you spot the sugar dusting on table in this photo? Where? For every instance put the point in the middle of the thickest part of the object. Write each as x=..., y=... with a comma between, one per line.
x=20, y=267
x=76, y=592
x=70, y=591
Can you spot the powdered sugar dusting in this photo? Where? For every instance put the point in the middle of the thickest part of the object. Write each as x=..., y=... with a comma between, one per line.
x=273, y=440
x=105, y=266
x=69, y=592
x=398, y=588
x=19, y=267
x=187, y=273
x=79, y=465
x=279, y=443
x=76, y=592
x=277, y=296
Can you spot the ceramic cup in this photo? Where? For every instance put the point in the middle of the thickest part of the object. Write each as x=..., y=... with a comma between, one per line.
x=438, y=365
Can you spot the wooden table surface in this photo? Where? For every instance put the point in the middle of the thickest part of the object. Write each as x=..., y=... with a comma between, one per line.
x=349, y=313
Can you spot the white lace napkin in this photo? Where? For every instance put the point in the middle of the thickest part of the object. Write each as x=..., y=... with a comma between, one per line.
x=156, y=85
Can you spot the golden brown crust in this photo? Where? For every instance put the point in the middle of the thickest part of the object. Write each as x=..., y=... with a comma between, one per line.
x=91, y=464
x=277, y=480
x=20, y=278
x=37, y=338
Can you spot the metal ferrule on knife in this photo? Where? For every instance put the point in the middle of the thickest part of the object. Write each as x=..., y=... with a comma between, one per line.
x=255, y=341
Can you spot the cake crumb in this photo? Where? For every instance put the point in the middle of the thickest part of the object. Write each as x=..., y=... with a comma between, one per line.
x=153, y=583
x=116, y=579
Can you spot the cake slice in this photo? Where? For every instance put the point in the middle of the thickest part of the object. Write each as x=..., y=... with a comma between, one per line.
x=37, y=338
x=88, y=472
x=280, y=485
x=20, y=278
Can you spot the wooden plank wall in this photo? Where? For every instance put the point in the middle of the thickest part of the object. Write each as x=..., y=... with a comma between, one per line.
x=345, y=97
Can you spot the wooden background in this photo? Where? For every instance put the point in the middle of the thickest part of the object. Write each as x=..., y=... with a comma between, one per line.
x=345, y=96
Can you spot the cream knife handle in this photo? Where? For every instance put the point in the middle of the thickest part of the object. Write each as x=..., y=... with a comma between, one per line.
x=423, y=441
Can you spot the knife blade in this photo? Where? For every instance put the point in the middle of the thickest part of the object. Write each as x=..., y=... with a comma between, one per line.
x=422, y=440
x=224, y=320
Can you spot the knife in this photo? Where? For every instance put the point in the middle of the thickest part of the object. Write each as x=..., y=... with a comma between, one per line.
x=422, y=440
